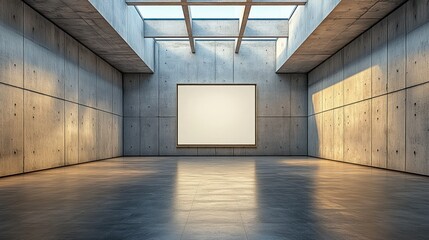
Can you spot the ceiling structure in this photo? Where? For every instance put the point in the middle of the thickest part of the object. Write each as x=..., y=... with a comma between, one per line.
x=235, y=25
x=307, y=32
x=321, y=28
x=110, y=29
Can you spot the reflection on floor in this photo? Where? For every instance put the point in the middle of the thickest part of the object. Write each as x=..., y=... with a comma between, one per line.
x=215, y=198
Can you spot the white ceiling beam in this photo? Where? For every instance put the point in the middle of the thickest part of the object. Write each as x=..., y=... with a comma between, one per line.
x=215, y=2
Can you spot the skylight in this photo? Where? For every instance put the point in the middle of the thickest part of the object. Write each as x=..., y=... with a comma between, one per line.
x=271, y=12
x=216, y=11
x=161, y=12
x=217, y=21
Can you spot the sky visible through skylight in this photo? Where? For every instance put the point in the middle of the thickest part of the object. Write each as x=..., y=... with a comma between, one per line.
x=231, y=12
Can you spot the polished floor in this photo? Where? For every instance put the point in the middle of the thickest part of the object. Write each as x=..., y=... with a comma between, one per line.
x=215, y=198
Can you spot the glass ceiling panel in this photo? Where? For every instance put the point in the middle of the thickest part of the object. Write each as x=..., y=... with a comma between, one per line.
x=161, y=12
x=271, y=12
x=208, y=12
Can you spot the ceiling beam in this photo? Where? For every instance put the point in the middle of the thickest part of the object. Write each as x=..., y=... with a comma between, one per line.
x=188, y=21
x=215, y=2
x=242, y=26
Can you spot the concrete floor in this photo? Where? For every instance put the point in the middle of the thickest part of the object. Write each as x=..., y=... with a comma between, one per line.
x=215, y=198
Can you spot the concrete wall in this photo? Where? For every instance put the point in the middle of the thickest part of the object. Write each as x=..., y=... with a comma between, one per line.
x=150, y=99
x=60, y=103
x=369, y=103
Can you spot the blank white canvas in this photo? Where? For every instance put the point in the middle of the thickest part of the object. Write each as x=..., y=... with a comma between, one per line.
x=216, y=115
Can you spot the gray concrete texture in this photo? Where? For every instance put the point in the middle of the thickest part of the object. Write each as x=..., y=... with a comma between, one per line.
x=150, y=99
x=321, y=28
x=111, y=29
x=58, y=98
x=376, y=89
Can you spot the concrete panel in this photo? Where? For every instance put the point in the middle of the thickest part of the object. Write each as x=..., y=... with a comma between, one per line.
x=336, y=70
x=71, y=133
x=328, y=135
x=43, y=132
x=11, y=130
x=298, y=136
x=11, y=15
x=131, y=95
x=149, y=95
x=396, y=49
x=104, y=135
x=119, y=19
x=149, y=91
x=165, y=28
x=149, y=136
x=43, y=40
x=314, y=76
x=379, y=58
x=298, y=95
x=281, y=52
x=417, y=129
x=150, y=48
x=135, y=33
x=131, y=136
x=41, y=31
x=315, y=96
x=108, y=13
x=11, y=42
x=71, y=69
x=303, y=63
x=357, y=133
x=315, y=135
x=205, y=62
x=114, y=12
x=224, y=62
x=45, y=76
x=338, y=151
x=117, y=93
x=327, y=85
x=239, y=152
x=87, y=77
x=382, y=8
x=357, y=69
x=266, y=28
x=277, y=142
x=273, y=89
x=215, y=28
x=417, y=14
x=224, y=151
x=396, y=130
x=104, y=85
x=206, y=151
x=379, y=131
x=175, y=66
x=87, y=134
x=417, y=20
x=168, y=138
x=117, y=136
